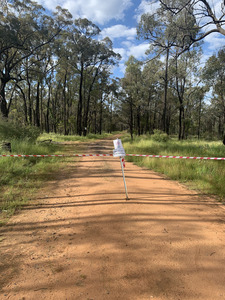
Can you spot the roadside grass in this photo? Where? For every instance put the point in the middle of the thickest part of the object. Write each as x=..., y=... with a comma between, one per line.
x=20, y=177
x=206, y=176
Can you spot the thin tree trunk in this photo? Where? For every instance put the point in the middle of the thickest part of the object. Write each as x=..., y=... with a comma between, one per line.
x=25, y=104
x=3, y=103
x=199, y=118
x=139, y=120
x=80, y=103
x=164, y=115
x=131, y=119
x=100, y=115
x=64, y=106
x=37, y=110
x=47, y=127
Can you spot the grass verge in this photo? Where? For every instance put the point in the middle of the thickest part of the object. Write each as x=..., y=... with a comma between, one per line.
x=203, y=175
x=20, y=178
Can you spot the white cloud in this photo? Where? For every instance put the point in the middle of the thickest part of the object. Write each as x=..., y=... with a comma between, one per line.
x=122, y=52
x=146, y=7
x=95, y=10
x=119, y=31
x=127, y=44
x=138, y=51
x=215, y=41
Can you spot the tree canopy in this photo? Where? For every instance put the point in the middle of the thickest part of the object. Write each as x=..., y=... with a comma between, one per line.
x=56, y=72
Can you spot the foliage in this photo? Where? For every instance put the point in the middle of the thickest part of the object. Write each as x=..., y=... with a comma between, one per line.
x=208, y=18
x=159, y=136
x=214, y=76
x=203, y=175
x=9, y=131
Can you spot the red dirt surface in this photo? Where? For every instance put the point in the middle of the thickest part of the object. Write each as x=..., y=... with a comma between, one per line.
x=81, y=239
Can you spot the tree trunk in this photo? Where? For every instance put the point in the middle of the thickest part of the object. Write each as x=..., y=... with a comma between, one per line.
x=139, y=120
x=3, y=103
x=199, y=118
x=25, y=104
x=80, y=103
x=181, y=122
x=37, y=110
x=100, y=115
x=86, y=114
x=164, y=115
x=47, y=127
x=64, y=106
x=131, y=119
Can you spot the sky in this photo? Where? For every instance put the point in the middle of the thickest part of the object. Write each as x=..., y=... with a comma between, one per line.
x=118, y=20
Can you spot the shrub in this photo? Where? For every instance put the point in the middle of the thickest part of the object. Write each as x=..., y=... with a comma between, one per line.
x=9, y=131
x=160, y=136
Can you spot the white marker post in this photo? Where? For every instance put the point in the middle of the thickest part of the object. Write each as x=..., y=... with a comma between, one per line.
x=120, y=152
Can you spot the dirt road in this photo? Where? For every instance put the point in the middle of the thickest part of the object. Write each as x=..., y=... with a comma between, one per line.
x=82, y=240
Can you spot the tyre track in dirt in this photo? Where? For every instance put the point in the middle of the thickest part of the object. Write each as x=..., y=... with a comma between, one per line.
x=80, y=239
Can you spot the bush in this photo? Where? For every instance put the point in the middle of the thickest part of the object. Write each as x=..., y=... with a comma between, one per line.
x=160, y=136
x=9, y=131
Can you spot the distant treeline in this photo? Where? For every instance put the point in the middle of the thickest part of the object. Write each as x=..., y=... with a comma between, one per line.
x=55, y=74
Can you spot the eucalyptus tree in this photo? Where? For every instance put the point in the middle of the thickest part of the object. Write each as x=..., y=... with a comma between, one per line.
x=214, y=76
x=65, y=75
x=24, y=30
x=89, y=56
x=155, y=28
x=132, y=86
x=152, y=85
x=106, y=89
x=113, y=107
x=184, y=80
x=209, y=18
x=160, y=28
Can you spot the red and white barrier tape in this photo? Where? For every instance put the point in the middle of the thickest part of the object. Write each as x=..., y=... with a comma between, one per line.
x=133, y=155
x=183, y=157
x=54, y=155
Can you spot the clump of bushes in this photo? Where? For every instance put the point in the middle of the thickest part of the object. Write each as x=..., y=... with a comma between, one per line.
x=159, y=136
x=9, y=131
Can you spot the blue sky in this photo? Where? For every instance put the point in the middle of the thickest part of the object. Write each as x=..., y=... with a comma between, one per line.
x=118, y=20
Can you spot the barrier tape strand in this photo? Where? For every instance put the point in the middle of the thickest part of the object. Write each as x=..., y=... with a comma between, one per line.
x=171, y=156
x=99, y=155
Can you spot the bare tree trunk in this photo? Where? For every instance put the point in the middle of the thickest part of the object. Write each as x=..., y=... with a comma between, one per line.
x=131, y=119
x=47, y=127
x=139, y=120
x=64, y=106
x=3, y=103
x=164, y=115
x=80, y=103
x=199, y=118
x=37, y=110
x=25, y=104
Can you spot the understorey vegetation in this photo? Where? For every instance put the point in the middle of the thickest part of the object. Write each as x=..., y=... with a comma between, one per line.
x=206, y=176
